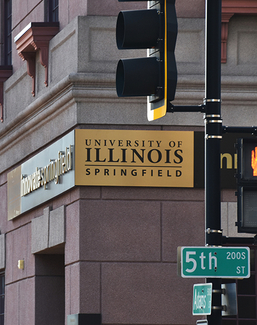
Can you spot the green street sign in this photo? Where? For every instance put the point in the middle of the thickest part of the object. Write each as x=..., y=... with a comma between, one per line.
x=214, y=262
x=202, y=299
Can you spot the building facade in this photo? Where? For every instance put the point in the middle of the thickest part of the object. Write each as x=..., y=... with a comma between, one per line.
x=90, y=220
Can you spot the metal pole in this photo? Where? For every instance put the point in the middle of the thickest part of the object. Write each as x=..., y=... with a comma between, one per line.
x=213, y=135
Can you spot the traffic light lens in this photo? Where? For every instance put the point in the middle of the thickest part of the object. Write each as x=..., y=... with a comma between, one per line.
x=137, y=77
x=137, y=29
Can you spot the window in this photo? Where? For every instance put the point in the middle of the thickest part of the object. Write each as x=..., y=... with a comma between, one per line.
x=2, y=293
x=51, y=10
x=246, y=297
x=7, y=32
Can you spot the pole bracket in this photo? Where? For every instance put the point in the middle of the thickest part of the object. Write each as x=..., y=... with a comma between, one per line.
x=213, y=237
x=240, y=129
x=213, y=136
x=222, y=308
x=208, y=100
x=212, y=116
x=189, y=109
x=221, y=291
x=213, y=231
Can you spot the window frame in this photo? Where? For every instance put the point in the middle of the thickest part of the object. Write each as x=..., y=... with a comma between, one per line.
x=2, y=297
x=7, y=37
x=51, y=10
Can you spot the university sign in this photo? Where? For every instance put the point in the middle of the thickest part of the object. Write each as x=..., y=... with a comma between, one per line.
x=134, y=158
x=113, y=158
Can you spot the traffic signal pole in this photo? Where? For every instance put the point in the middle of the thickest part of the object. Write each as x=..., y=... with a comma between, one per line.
x=160, y=89
x=213, y=136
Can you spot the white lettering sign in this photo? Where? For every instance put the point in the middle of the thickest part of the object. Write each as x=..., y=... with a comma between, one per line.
x=46, y=174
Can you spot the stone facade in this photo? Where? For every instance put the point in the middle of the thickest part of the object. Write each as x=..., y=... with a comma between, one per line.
x=108, y=250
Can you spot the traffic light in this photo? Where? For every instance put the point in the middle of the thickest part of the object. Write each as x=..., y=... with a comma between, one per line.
x=247, y=185
x=154, y=76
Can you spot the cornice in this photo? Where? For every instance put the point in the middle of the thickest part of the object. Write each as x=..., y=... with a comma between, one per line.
x=229, y=9
x=100, y=87
x=35, y=37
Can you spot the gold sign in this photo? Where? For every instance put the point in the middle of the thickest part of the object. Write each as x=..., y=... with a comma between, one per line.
x=134, y=158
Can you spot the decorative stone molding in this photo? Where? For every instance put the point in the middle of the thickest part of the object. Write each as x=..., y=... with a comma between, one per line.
x=229, y=8
x=35, y=37
x=5, y=73
x=47, y=231
x=2, y=251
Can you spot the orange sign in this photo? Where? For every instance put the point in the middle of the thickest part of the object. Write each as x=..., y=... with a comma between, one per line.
x=254, y=161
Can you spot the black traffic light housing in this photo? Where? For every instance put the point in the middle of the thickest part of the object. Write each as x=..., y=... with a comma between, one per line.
x=247, y=185
x=154, y=76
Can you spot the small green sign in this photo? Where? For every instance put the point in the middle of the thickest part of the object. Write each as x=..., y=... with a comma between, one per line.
x=202, y=299
x=214, y=262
